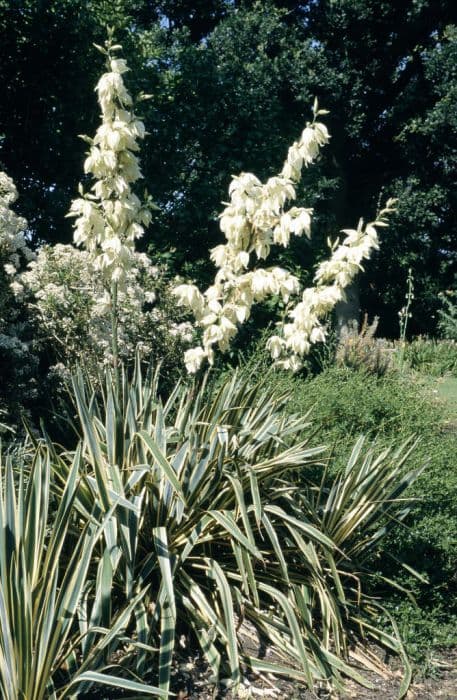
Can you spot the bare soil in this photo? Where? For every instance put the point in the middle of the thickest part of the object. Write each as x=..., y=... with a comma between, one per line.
x=192, y=683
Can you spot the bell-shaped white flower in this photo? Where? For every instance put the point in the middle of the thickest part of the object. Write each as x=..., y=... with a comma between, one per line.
x=111, y=217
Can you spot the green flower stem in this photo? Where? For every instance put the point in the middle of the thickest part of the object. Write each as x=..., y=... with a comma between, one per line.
x=404, y=315
x=114, y=326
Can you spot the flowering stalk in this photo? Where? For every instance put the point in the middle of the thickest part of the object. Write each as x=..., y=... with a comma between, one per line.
x=254, y=220
x=332, y=277
x=110, y=217
x=404, y=315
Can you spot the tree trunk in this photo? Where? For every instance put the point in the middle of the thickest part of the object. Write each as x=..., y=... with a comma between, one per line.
x=347, y=313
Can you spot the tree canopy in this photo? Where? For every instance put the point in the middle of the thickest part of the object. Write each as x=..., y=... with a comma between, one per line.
x=232, y=85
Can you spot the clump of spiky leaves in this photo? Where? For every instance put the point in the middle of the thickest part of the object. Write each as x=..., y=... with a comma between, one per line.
x=49, y=647
x=213, y=517
x=360, y=350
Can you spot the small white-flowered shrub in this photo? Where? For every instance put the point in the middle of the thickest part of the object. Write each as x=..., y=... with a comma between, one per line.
x=71, y=309
x=17, y=360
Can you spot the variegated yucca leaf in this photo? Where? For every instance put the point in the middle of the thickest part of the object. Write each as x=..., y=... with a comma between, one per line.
x=48, y=647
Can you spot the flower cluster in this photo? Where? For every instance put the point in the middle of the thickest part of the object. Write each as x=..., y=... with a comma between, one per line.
x=72, y=308
x=14, y=250
x=331, y=277
x=111, y=217
x=253, y=221
x=17, y=360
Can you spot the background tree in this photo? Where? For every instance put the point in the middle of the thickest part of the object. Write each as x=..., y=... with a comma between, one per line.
x=232, y=86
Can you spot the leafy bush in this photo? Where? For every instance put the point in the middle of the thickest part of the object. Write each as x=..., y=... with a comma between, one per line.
x=218, y=517
x=345, y=403
x=70, y=308
x=447, y=324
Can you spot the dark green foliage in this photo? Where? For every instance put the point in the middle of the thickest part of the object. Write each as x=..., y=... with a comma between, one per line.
x=232, y=84
x=233, y=103
x=48, y=100
x=447, y=324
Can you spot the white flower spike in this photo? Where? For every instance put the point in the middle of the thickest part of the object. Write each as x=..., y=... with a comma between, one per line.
x=110, y=217
x=253, y=221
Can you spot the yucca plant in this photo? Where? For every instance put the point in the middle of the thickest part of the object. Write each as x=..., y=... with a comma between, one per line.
x=42, y=630
x=210, y=518
x=356, y=509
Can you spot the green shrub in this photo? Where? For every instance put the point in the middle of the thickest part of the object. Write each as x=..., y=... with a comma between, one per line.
x=344, y=403
x=429, y=544
x=69, y=309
